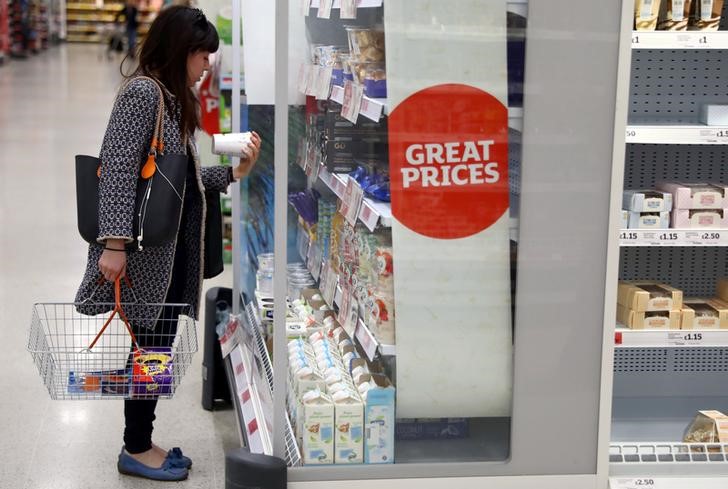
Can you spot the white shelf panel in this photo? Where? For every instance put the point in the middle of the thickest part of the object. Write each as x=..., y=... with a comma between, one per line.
x=677, y=338
x=673, y=237
x=371, y=212
x=679, y=40
x=671, y=134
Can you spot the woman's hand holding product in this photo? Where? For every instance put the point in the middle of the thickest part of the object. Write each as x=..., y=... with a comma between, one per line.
x=247, y=163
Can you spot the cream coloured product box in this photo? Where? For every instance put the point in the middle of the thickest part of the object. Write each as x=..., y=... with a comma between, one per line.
x=645, y=14
x=705, y=15
x=649, y=220
x=696, y=195
x=674, y=15
x=646, y=201
x=722, y=291
x=318, y=428
x=647, y=296
x=707, y=427
x=704, y=314
x=349, y=428
x=714, y=114
x=625, y=219
x=648, y=320
x=700, y=218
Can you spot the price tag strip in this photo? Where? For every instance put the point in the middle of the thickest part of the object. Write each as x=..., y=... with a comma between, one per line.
x=673, y=237
x=633, y=483
x=324, y=10
x=352, y=201
x=348, y=9
x=626, y=338
x=679, y=40
x=647, y=134
x=352, y=101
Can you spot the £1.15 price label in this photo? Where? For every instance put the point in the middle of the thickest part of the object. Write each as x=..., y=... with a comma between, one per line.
x=686, y=338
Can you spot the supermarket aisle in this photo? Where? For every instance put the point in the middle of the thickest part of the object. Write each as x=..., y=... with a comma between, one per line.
x=52, y=107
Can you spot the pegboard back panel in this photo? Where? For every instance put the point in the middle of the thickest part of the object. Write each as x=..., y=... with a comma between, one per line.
x=647, y=164
x=694, y=270
x=670, y=85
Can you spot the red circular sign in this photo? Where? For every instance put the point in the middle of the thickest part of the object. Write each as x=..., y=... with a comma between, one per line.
x=449, y=161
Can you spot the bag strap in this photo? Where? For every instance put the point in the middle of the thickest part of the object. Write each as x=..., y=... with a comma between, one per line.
x=157, y=146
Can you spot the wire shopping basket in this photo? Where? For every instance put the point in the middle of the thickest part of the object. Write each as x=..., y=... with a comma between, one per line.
x=102, y=356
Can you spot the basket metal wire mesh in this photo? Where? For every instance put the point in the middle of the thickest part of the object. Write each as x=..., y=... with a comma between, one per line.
x=77, y=363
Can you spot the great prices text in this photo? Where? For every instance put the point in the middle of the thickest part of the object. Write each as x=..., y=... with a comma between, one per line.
x=451, y=163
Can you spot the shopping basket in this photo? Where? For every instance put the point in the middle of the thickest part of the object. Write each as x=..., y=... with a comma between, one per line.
x=103, y=357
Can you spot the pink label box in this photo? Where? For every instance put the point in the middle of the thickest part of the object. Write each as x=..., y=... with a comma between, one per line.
x=696, y=195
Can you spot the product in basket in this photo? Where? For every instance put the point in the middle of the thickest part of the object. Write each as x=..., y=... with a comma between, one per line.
x=704, y=314
x=647, y=201
x=705, y=15
x=648, y=220
x=696, y=195
x=707, y=427
x=674, y=15
x=700, y=218
x=645, y=14
x=647, y=296
x=152, y=372
x=112, y=383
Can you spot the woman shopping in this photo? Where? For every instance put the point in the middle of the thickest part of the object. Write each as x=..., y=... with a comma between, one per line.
x=173, y=57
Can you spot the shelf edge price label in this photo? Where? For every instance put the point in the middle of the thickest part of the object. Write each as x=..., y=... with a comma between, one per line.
x=631, y=134
x=668, y=237
x=634, y=483
x=348, y=9
x=686, y=338
x=324, y=10
x=351, y=105
x=627, y=236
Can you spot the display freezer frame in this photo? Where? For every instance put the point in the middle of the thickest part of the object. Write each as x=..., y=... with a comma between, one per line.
x=583, y=67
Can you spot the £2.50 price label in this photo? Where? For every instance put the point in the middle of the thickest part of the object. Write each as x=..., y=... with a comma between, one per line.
x=634, y=483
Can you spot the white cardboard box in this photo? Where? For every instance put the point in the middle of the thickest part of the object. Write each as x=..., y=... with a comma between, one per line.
x=349, y=429
x=714, y=115
x=647, y=201
x=318, y=429
x=649, y=220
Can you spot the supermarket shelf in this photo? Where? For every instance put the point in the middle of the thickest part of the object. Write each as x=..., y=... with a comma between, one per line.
x=371, y=213
x=679, y=40
x=664, y=458
x=667, y=482
x=678, y=338
x=673, y=237
x=676, y=134
x=374, y=108
x=81, y=38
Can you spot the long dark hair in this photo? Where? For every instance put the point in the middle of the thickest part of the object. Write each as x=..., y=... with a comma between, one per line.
x=177, y=32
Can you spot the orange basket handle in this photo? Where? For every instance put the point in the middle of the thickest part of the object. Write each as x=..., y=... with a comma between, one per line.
x=117, y=310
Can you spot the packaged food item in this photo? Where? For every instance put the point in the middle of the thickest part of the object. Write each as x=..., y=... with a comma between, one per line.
x=349, y=424
x=714, y=114
x=648, y=320
x=722, y=289
x=696, y=195
x=700, y=218
x=366, y=44
x=645, y=14
x=647, y=201
x=318, y=428
x=674, y=15
x=648, y=296
x=649, y=220
x=704, y=314
x=705, y=15
x=379, y=418
x=707, y=427
x=111, y=383
x=152, y=372
x=375, y=81
x=625, y=219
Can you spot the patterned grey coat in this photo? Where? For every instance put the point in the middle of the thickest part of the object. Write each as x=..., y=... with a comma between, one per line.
x=125, y=146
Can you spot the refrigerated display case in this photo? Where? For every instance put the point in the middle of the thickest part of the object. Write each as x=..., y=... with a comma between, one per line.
x=663, y=377
x=459, y=232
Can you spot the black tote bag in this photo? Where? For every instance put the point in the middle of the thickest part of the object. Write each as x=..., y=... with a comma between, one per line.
x=214, y=264
x=158, y=203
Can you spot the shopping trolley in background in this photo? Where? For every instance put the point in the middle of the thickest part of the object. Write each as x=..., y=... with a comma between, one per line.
x=101, y=356
x=112, y=38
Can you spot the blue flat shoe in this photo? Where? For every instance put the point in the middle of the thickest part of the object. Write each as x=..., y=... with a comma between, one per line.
x=178, y=459
x=128, y=465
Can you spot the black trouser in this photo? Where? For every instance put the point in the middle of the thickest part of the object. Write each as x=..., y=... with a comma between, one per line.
x=139, y=414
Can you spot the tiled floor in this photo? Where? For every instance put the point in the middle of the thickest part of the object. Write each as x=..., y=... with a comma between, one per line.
x=52, y=107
